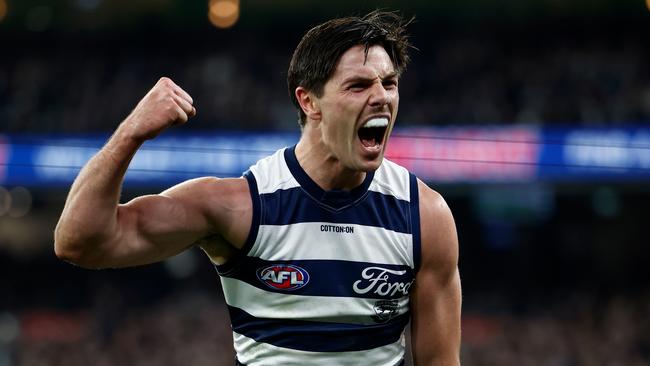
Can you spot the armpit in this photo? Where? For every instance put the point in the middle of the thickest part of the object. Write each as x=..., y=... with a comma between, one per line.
x=218, y=249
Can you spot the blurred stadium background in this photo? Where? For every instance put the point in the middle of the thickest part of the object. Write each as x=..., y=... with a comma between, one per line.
x=530, y=117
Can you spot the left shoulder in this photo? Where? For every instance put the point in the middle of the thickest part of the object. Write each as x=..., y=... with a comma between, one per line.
x=438, y=230
x=432, y=204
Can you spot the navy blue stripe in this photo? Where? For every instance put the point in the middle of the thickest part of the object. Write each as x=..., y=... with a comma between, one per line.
x=317, y=336
x=252, y=233
x=415, y=221
x=335, y=199
x=237, y=363
x=291, y=206
x=329, y=278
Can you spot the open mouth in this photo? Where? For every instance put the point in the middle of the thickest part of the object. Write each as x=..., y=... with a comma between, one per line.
x=372, y=133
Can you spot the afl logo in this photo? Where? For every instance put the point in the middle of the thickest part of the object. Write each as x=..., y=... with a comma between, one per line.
x=283, y=277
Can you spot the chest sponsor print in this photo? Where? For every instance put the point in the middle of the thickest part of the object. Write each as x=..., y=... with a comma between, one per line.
x=383, y=282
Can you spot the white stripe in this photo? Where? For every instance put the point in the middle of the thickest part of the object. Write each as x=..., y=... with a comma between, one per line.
x=392, y=179
x=264, y=304
x=252, y=353
x=307, y=241
x=273, y=174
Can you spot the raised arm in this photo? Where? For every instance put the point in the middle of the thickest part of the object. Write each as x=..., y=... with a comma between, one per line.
x=436, y=302
x=95, y=231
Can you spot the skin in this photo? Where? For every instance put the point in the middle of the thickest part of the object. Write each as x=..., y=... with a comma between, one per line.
x=96, y=231
x=360, y=88
x=436, y=296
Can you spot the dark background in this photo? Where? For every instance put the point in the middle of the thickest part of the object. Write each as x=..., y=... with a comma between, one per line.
x=552, y=273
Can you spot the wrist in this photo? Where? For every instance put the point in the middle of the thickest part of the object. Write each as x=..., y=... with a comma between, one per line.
x=127, y=134
x=123, y=144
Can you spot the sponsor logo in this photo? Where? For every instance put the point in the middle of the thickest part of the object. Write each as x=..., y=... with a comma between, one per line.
x=385, y=310
x=376, y=280
x=283, y=276
x=337, y=229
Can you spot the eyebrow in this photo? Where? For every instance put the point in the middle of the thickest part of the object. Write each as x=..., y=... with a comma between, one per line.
x=392, y=75
x=362, y=79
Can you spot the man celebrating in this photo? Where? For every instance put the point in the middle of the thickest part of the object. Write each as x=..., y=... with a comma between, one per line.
x=325, y=249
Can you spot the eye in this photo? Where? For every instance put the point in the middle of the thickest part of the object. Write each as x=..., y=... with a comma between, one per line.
x=389, y=83
x=357, y=87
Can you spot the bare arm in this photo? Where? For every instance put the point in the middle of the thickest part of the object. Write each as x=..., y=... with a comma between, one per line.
x=436, y=302
x=94, y=230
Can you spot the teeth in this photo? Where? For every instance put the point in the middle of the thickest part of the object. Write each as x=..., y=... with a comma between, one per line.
x=376, y=122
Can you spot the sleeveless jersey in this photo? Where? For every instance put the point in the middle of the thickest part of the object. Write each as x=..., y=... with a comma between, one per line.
x=324, y=276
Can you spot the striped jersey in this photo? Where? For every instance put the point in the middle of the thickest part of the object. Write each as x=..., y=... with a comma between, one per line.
x=324, y=276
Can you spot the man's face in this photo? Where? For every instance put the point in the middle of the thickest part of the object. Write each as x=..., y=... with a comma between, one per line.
x=358, y=108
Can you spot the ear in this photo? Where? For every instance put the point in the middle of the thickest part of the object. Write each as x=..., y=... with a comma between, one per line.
x=309, y=103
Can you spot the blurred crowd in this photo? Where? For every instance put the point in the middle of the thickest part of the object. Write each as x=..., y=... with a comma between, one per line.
x=191, y=328
x=187, y=329
x=591, y=76
x=564, y=330
x=587, y=76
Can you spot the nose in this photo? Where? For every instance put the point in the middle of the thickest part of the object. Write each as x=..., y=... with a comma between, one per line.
x=379, y=96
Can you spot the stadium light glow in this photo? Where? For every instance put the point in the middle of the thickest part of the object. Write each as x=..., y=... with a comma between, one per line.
x=3, y=9
x=223, y=13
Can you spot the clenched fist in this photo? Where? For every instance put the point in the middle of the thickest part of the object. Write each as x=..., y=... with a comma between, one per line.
x=166, y=104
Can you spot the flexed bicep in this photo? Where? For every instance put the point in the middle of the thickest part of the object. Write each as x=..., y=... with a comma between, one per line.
x=152, y=228
x=160, y=226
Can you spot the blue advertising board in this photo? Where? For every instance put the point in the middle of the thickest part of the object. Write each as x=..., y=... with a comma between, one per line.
x=437, y=154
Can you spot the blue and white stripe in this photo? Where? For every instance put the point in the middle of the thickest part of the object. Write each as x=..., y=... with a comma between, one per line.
x=256, y=352
x=355, y=306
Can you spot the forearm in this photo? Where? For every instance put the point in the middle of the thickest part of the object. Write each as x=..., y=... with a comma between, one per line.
x=90, y=215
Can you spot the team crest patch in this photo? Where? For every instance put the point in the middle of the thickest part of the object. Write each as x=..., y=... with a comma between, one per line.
x=385, y=310
x=286, y=277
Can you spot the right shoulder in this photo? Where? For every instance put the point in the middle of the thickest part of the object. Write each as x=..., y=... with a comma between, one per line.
x=271, y=173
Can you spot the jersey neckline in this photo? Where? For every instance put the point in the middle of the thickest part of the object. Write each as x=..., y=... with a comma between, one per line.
x=336, y=199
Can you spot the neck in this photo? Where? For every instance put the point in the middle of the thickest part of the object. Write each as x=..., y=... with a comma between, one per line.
x=323, y=167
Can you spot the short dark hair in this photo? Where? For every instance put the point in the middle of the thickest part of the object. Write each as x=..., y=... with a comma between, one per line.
x=315, y=59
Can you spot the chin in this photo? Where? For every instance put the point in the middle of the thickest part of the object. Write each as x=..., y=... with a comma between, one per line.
x=371, y=165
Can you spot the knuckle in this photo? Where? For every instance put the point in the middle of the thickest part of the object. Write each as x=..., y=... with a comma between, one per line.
x=165, y=102
x=172, y=111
